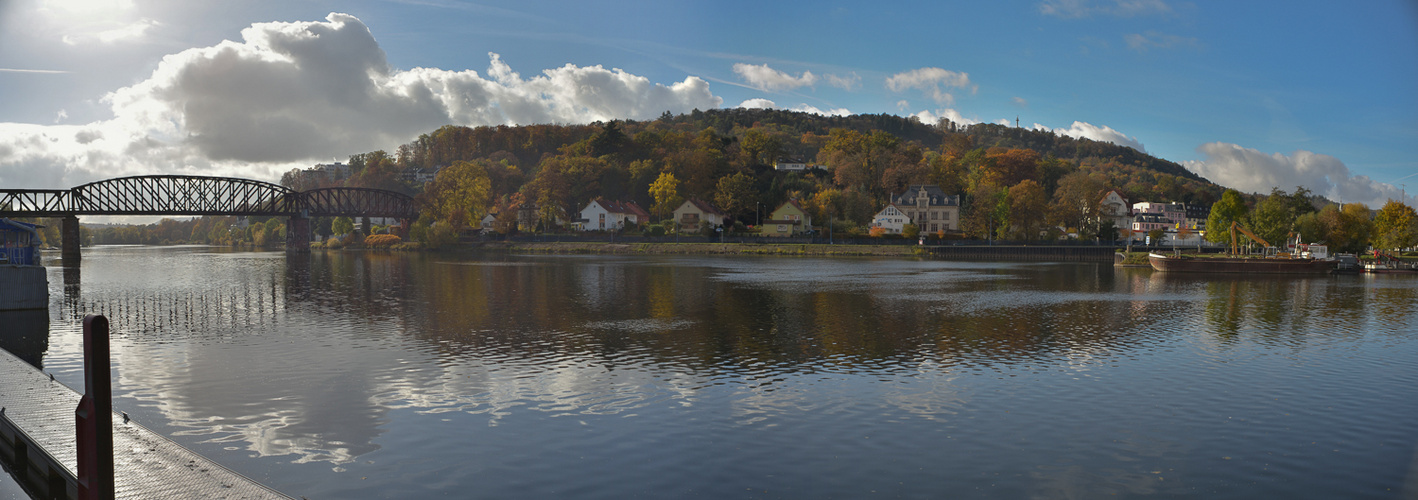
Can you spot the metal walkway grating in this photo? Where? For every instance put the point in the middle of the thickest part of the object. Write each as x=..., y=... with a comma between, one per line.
x=146, y=464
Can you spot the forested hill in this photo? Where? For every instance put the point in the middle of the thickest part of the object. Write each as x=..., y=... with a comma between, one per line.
x=986, y=135
x=726, y=156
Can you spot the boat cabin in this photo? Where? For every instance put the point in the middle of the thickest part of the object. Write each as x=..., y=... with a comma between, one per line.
x=19, y=243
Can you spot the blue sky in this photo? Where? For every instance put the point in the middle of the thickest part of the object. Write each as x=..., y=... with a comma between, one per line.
x=1250, y=94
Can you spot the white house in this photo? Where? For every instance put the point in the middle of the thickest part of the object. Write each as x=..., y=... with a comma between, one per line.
x=790, y=164
x=602, y=215
x=891, y=218
x=1115, y=208
x=694, y=211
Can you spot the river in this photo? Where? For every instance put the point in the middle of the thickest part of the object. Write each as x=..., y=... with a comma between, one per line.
x=373, y=375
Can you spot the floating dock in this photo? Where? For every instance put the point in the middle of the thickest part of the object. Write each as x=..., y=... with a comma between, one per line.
x=37, y=440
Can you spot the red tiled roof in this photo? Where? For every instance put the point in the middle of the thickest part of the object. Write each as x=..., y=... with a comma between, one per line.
x=705, y=206
x=624, y=207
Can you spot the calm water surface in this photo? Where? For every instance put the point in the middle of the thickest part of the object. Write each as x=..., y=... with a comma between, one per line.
x=366, y=375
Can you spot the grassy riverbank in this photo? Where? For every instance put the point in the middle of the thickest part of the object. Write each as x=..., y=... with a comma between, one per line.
x=705, y=249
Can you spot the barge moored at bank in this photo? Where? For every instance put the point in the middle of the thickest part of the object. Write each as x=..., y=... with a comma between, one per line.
x=1258, y=265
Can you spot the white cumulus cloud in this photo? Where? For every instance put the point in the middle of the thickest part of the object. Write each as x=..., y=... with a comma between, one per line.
x=291, y=93
x=767, y=79
x=758, y=103
x=849, y=82
x=934, y=82
x=934, y=117
x=1251, y=170
x=761, y=103
x=1085, y=130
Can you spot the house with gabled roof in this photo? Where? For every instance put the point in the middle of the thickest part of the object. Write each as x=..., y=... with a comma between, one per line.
x=789, y=219
x=928, y=207
x=1114, y=207
x=606, y=215
x=892, y=218
x=694, y=212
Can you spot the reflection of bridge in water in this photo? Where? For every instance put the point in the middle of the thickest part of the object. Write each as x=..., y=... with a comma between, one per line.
x=197, y=195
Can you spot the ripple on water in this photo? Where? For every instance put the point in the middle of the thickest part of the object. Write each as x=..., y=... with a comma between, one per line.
x=705, y=377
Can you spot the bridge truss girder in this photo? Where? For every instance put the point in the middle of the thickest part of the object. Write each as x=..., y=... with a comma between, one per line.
x=197, y=195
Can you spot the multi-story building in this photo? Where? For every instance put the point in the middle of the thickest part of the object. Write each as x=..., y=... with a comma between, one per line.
x=929, y=208
x=1113, y=207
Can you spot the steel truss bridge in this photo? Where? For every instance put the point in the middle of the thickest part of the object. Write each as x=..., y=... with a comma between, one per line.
x=196, y=195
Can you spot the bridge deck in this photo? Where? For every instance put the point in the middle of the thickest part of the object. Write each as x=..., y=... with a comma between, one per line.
x=146, y=465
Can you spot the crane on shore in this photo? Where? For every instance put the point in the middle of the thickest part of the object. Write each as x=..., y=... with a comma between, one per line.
x=1235, y=247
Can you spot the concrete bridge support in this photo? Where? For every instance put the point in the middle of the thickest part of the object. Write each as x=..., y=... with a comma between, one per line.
x=69, y=241
x=298, y=234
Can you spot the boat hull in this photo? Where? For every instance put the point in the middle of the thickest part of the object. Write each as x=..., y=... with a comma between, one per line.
x=1240, y=265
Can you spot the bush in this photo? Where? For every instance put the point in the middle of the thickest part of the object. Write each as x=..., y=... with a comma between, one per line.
x=334, y=243
x=654, y=230
x=354, y=240
x=877, y=231
x=441, y=234
x=382, y=240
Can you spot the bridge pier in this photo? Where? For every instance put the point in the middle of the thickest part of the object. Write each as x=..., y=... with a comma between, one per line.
x=298, y=234
x=69, y=241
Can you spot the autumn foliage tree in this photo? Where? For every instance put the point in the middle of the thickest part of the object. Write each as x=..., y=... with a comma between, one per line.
x=1395, y=226
x=1231, y=208
x=459, y=195
x=1027, y=210
x=665, y=191
x=735, y=194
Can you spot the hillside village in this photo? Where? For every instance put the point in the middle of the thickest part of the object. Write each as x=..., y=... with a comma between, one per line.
x=772, y=173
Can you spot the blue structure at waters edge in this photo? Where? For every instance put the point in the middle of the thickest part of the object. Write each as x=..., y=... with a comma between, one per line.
x=21, y=243
x=23, y=283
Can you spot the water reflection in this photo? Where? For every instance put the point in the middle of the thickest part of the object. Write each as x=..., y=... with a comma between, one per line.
x=343, y=359
x=1277, y=309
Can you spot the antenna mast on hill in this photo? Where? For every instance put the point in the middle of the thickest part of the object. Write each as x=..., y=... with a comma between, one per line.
x=1016, y=121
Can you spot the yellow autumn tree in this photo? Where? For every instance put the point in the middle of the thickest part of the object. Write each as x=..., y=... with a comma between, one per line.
x=665, y=191
x=459, y=195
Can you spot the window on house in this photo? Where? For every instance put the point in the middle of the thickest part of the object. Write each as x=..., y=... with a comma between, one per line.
x=935, y=215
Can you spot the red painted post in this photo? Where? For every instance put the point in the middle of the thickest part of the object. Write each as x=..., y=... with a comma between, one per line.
x=95, y=414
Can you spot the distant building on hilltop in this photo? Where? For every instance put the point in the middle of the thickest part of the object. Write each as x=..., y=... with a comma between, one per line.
x=793, y=164
x=332, y=171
